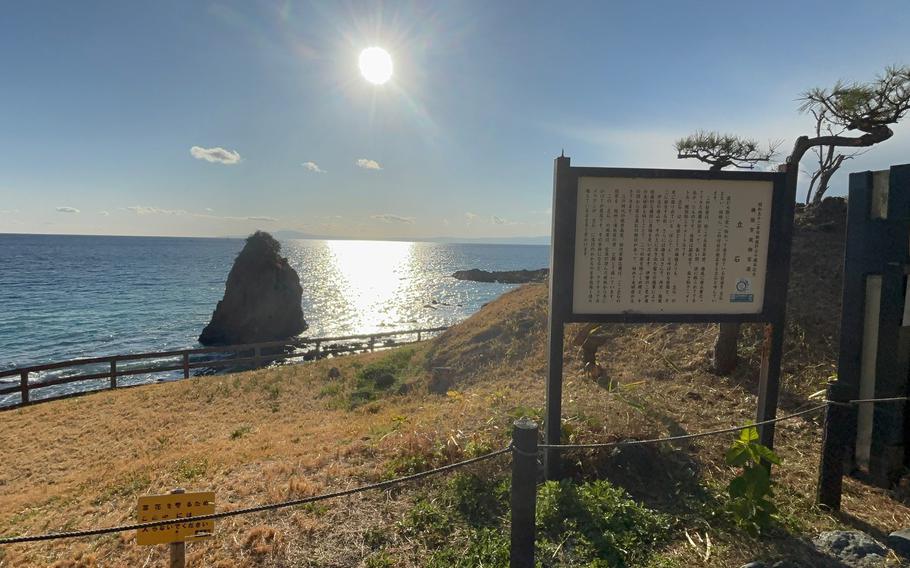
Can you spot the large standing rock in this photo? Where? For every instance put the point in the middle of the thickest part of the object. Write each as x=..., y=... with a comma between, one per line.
x=261, y=298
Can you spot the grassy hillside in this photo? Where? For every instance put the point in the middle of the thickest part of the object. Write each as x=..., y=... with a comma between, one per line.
x=292, y=431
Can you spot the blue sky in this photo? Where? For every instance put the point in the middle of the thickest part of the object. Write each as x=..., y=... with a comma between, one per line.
x=102, y=102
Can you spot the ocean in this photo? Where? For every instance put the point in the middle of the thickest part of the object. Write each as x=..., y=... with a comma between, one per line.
x=66, y=297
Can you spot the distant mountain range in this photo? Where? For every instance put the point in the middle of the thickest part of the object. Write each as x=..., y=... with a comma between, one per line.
x=540, y=240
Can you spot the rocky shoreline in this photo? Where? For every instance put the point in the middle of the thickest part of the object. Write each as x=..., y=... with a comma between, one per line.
x=503, y=276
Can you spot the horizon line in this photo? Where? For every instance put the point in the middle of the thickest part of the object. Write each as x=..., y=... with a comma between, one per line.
x=306, y=238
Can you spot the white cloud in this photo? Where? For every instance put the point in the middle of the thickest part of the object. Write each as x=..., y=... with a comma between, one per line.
x=389, y=218
x=104, y=213
x=145, y=210
x=314, y=167
x=215, y=155
x=9, y=211
x=67, y=210
x=259, y=218
x=446, y=222
x=209, y=210
x=368, y=164
x=470, y=217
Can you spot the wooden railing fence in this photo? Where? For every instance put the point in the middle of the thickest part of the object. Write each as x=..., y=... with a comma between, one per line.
x=252, y=354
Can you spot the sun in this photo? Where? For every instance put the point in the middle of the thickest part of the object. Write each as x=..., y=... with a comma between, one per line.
x=375, y=65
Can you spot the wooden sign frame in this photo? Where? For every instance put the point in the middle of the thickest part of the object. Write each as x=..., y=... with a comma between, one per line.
x=562, y=273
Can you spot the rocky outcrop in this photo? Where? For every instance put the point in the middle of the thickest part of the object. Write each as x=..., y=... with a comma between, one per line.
x=503, y=276
x=261, y=298
x=852, y=548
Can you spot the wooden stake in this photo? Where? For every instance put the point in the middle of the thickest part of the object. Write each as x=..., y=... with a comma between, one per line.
x=178, y=549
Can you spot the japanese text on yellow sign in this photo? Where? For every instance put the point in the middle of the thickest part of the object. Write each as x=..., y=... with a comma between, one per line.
x=175, y=506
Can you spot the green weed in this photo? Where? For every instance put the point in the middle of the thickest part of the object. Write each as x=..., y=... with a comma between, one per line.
x=751, y=492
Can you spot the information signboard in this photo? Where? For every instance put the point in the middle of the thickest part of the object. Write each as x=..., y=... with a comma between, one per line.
x=671, y=245
x=153, y=508
x=688, y=246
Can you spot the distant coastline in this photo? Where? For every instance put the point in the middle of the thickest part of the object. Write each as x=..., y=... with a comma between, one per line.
x=297, y=235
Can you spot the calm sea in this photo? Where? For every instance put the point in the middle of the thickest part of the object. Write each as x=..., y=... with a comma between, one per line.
x=63, y=297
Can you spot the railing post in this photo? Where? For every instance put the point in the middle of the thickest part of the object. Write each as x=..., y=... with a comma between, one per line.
x=23, y=385
x=418, y=337
x=372, y=343
x=524, y=492
x=178, y=549
x=186, y=365
x=113, y=373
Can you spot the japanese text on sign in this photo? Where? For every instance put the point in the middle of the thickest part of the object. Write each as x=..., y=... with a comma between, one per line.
x=175, y=506
x=671, y=246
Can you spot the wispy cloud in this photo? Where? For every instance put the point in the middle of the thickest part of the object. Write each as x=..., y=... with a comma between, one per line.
x=389, y=218
x=9, y=211
x=104, y=213
x=470, y=217
x=313, y=167
x=368, y=164
x=67, y=210
x=145, y=210
x=261, y=218
x=217, y=155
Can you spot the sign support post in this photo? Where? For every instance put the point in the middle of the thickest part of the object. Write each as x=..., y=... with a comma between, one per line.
x=178, y=549
x=651, y=246
x=561, y=252
x=776, y=299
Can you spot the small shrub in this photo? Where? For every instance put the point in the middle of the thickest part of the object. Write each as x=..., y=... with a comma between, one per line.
x=750, y=491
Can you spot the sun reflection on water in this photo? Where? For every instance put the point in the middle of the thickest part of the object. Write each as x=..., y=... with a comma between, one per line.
x=375, y=279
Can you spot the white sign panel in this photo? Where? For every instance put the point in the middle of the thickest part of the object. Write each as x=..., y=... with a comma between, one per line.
x=671, y=246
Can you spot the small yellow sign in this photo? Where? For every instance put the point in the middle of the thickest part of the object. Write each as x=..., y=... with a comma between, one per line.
x=175, y=506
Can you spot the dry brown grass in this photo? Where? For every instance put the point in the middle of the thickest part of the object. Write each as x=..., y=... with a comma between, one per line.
x=285, y=432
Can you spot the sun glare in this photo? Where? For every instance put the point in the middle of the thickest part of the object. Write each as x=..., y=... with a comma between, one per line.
x=375, y=65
